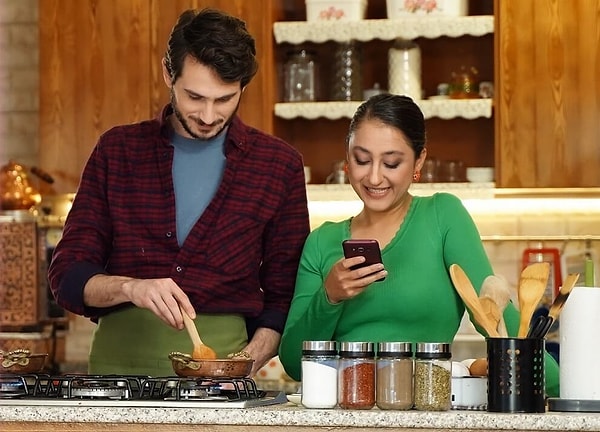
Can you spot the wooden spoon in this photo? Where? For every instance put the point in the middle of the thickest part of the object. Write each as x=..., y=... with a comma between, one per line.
x=467, y=293
x=200, y=351
x=490, y=308
x=497, y=288
x=532, y=285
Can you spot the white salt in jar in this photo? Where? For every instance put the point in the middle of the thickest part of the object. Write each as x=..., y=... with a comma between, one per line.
x=319, y=374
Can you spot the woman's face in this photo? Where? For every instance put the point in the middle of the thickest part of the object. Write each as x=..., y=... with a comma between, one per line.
x=381, y=164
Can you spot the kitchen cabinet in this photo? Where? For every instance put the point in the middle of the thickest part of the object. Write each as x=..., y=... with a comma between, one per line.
x=547, y=109
x=100, y=66
x=457, y=129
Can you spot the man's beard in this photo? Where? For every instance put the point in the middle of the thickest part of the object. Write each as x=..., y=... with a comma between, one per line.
x=184, y=123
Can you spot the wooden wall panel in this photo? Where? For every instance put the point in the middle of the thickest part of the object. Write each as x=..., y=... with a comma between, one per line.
x=256, y=108
x=548, y=98
x=94, y=73
x=100, y=67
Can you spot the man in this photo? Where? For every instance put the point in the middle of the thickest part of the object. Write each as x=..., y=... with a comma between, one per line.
x=191, y=211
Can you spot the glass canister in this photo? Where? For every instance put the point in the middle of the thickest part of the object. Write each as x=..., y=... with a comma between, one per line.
x=347, y=72
x=433, y=376
x=404, y=69
x=319, y=374
x=394, y=383
x=356, y=377
x=300, y=75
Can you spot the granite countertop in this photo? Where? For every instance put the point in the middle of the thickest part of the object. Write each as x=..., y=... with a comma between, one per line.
x=290, y=415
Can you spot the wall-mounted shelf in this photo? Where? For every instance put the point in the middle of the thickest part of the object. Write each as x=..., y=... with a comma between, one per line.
x=296, y=32
x=444, y=109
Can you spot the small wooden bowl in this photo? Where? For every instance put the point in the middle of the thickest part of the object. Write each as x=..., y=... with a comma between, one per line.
x=22, y=363
x=185, y=366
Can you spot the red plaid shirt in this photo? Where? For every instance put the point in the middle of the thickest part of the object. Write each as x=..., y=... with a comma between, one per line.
x=242, y=255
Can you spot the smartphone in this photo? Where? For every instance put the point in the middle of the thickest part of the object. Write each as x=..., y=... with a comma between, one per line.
x=362, y=247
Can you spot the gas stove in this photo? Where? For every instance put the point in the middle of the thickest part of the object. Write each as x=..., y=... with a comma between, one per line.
x=133, y=391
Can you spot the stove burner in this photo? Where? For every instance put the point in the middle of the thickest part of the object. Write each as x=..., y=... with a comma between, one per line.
x=97, y=389
x=12, y=386
x=139, y=388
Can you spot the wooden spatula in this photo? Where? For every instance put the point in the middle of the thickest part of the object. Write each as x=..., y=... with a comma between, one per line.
x=497, y=288
x=467, y=293
x=532, y=285
x=201, y=351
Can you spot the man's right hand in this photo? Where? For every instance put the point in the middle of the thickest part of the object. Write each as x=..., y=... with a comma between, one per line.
x=161, y=296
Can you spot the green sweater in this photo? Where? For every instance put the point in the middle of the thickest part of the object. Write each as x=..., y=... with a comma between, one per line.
x=416, y=302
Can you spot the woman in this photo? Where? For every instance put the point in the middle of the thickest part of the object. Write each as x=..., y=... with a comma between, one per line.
x=411, y=296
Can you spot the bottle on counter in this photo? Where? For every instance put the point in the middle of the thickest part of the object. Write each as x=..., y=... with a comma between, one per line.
x=356, y=375
x=394, y=384
x=433, y=377
x=319, y=374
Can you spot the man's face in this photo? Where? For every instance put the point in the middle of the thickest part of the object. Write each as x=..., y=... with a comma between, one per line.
x=203, y=104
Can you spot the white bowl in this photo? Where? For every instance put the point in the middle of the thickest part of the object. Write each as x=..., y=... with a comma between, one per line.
x=469, y=392
x=480, y=174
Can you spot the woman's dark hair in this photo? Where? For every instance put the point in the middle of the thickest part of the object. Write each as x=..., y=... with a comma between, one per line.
x=216, y=40
x=397, y=111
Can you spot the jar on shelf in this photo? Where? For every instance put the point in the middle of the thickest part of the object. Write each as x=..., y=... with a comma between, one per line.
x=404, y=69
x=300, y=77
x=394, y=383
x=347, y=72
x=356, y=375
x=433, y=377
x=319, y=374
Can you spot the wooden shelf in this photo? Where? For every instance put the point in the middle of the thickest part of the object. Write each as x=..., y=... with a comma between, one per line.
x=445, y=109
x=296, y=32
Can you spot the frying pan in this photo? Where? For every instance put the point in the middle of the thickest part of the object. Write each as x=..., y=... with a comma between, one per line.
x=185, y=366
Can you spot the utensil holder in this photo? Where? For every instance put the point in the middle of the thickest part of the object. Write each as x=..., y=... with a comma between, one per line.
x=516, y=377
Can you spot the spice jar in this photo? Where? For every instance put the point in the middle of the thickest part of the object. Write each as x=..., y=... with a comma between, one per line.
x=356, y=375
x=433, y=377
x=394, y=384
x=300, y=77
x=319, y=374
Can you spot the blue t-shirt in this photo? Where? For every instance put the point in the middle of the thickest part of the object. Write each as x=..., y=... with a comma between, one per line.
x=197, y=172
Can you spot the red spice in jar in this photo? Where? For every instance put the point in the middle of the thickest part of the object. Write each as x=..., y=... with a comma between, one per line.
x=357, y=386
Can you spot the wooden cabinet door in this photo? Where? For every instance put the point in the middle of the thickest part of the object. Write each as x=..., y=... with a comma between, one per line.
x=548, y=93
x=100, y=67
x=94, y=73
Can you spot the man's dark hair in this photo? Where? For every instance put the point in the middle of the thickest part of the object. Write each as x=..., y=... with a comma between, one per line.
x=216, y=40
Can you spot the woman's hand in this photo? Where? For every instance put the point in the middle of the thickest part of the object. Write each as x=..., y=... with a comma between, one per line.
x=343, y=283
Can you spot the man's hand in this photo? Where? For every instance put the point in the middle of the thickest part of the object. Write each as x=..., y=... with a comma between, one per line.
x=161, y=296
x=263, y=347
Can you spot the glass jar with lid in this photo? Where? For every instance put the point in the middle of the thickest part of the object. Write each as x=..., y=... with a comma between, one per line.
x=433, y=376
x=356, y=375
x=319, y=374
x=300, y=75
x=394, y=385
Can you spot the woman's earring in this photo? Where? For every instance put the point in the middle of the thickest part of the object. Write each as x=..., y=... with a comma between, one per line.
x=417, y=175
x=346, y=167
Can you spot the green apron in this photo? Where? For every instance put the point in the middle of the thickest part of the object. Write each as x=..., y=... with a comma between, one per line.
x=134, y=341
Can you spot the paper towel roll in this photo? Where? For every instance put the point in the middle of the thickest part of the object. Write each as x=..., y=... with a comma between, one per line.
x=580, y=345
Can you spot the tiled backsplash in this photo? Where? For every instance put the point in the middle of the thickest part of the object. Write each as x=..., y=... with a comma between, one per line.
x=19, y=81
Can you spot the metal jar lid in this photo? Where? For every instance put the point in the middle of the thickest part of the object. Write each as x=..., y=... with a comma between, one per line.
x=433, y=350
x=394, y=349
x=357, y=349
x=319, y=348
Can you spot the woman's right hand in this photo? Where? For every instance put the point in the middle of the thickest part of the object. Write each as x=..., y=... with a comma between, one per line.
x=343, y=283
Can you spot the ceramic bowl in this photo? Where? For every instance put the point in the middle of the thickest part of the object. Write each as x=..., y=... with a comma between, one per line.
x=480, y=174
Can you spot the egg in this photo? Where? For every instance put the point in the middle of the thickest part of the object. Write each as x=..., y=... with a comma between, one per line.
x=459, y=370
x=468, y=362
x=479, y=367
